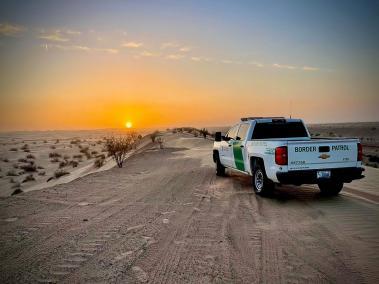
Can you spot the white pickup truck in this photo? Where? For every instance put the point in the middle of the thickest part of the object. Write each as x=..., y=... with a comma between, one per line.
x=276, y=150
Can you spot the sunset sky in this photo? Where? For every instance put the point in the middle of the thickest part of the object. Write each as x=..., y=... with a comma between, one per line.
x=88, y=64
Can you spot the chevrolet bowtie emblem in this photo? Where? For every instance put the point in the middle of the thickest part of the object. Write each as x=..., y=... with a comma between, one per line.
x=324, y=156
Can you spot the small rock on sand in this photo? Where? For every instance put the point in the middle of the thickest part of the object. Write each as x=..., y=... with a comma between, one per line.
x=165, y=221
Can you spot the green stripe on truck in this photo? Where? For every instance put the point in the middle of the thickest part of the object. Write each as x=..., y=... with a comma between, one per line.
x=238, y=156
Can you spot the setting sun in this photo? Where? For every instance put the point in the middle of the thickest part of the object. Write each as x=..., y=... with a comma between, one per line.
x=128, y=124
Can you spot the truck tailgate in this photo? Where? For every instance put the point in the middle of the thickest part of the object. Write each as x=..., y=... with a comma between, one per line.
x=322, y=154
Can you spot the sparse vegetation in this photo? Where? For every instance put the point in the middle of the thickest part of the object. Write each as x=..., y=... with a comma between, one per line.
x=28, y=178
x=160, y=141
x=40, y=167
x=5, y=160
x=54, y=155
x=66, y=157
x=42, y=173
x=30, y=156
x=12, y=173
x=52, y=147
x=13, y=149
x=73, y=163
x=55, y=160
x=118, y=147
x=204, y=132
x=60, y=173
x=15, y=166
x=154, y=136
x=99, y=162
x=17, y=188
x=28, y=167
x=22, y=160
x=63, y=164
x=79, y=156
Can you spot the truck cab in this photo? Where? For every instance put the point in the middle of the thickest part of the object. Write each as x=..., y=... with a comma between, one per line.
x=278, y=150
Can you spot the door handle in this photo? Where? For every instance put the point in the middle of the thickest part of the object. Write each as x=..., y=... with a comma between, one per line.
x=241, y=146
x=230, y=145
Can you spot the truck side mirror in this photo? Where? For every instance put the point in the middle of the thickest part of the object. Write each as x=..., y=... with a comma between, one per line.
x=218, y=137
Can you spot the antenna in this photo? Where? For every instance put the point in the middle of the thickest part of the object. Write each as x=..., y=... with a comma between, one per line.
x=290, y=108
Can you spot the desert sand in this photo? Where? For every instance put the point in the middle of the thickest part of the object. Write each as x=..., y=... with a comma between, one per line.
x=167, y=218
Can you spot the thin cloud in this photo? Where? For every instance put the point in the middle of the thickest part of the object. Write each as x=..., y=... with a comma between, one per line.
x=166, y=45
x=132, y=44
x=7, y=29
x=309, y=68
x=256, y=64
x=72, y=32
x=79, y=48
x=56, y=36
x=280, y=66
x=185, y=49
x=146, y=53
x=174, y=56
x=201, y=59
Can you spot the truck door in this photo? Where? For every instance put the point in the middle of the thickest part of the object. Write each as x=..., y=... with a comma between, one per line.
x=226, y=151
x=238, y=147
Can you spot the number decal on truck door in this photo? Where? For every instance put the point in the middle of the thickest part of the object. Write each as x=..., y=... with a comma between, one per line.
x=238, y=155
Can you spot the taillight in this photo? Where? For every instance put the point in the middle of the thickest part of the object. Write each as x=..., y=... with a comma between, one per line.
x=281, y=156
x=360, y=152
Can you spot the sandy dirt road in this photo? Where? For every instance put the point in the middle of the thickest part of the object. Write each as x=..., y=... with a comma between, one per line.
x=166, y=218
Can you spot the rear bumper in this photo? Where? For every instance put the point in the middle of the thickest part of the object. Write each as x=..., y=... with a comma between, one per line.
x=310, y=176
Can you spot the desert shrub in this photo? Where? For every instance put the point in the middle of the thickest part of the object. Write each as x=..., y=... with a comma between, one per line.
x=42, y=173
x=28, y=178
x=28, y=167
x=99, y=142
x=118, y=147
x=85, y=151
x=12, y=173
x=63, y=164
x=139, y=137
x=56, y=142
x=79, y=156
x=5, y=160
x=60, y=173
x=174, y=131
x=160, y=141
x=27, y=151
x=99, y=162
x=40, y=167
x=25, y=147
x=55, y=160
x=195, y=133
x=94, y=153
x=154, y=136
x=204, y=132
x=12, y=180
x=22, y=160
x=17, y=190
x=102, y=156
x=15, y=166
x=44, y=141
x=21, y=173
x=54, y=155
x=73, y=163
x=66, y=157
x=30, y=156
x=13, y=149
x=52, y=147
x=75, y=141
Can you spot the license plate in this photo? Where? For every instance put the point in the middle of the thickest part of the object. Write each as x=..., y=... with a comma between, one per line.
x=323, y=174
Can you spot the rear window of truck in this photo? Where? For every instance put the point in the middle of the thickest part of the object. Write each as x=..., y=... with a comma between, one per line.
x=270, y=130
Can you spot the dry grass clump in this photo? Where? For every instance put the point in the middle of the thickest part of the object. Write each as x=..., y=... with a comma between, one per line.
x=99, y=162
x=154, y=136
x=52, y=147
x=94, y=153
x=40, y=168
x=29, y=178
x=85, y=151
x=79, y=156
x=54, y=155
x=66, y=157
x=30, y=156
x=12, y=173
x=75, y=141
x=44, y=141
x=29, y=167
x=22, y=160
x=5, y=160
x=13, y=149
x=60, y=173
x=73, y=163
x=15, y=166
x=55, y=160
x=17, y=189
x=42, y=173
x=63, y=164
x=25, y=147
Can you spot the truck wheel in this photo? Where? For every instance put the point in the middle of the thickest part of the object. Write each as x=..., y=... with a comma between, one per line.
x=261, y=184
x=220, y=169
x=330, y=187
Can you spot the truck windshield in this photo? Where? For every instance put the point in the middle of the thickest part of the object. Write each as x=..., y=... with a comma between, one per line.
x=279, y=130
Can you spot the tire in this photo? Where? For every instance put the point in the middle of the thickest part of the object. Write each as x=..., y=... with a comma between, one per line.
x=220, y=169
x=330, y=188
x=261, y=184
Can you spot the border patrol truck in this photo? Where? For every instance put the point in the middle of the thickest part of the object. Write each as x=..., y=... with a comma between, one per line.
x=276, y=150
